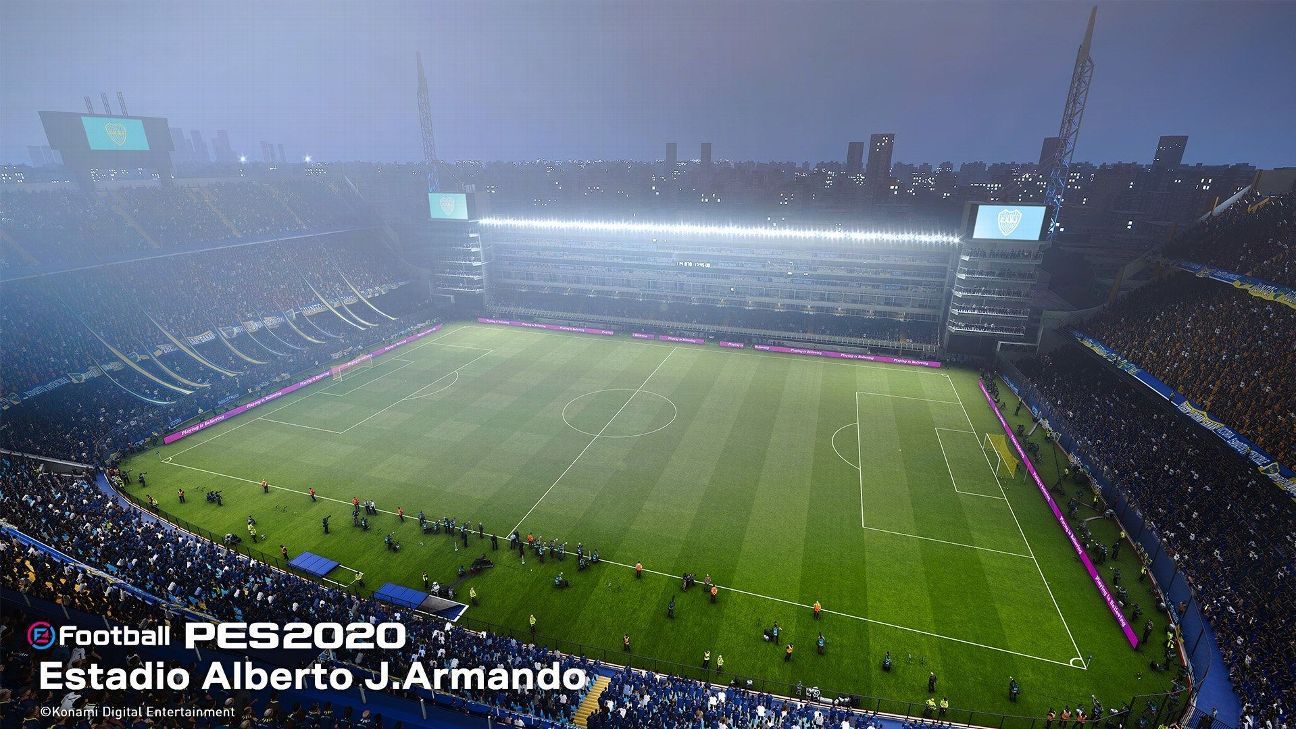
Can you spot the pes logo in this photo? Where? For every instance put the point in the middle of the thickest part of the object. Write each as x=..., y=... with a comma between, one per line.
x=41, y=635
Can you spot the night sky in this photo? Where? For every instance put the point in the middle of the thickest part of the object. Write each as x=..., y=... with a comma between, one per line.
x=618, y=79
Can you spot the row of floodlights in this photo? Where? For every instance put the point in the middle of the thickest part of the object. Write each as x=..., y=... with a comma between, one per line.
x=737, y=231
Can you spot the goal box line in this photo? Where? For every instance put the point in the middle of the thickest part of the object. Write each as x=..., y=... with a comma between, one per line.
x=257, y=402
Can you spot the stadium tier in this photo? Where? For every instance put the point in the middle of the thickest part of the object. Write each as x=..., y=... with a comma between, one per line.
x=211, y=378
x=888, y=296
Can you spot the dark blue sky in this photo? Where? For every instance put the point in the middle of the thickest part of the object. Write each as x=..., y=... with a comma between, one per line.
x=618, y=78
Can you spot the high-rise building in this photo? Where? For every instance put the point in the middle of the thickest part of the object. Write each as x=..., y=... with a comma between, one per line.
x=855, y=157
x=37, y=154
x=199, y=147
x=183, y=149
x=283, y=158
x=267, y=153
x=878, y=171
x=1049, y=151
x=672, y=154
x=972, y=172
x=706, y=155
x=221, y=147
x=1170, y=152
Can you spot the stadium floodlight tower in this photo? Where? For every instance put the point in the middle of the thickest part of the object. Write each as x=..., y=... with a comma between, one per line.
x=1069, y=130
x=425, y=124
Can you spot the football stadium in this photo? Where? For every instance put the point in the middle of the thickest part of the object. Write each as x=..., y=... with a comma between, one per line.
x=431, y=430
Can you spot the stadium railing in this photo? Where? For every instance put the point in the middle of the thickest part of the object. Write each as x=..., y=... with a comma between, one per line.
x=1194, y=633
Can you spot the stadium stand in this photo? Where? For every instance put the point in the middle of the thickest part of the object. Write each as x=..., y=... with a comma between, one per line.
x=71, y=515
x=1228, y=351
x=64, y=226
x=1255, y=236
x=1231, y=532
x=70, y=391
x=639, y=699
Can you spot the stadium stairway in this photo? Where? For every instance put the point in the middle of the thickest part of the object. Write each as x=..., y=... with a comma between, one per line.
x=277, y=195
x=13, y=246
x=206, y=199
x=591, y=700
x=115, y=202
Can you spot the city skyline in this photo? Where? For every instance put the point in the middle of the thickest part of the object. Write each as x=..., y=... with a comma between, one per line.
x=766, y=85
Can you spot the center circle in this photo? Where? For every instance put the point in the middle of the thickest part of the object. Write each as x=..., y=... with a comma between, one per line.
x=619, y=413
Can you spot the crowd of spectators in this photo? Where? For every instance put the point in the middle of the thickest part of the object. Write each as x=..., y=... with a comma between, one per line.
x=88, y=422
x=65, y=227
x=1255, y=236
x=71, y=515
x=1230, y=531
x=25, y=703
x=639, y=700
x=67, y=322
x=61, y=225
x=126, y=547
x=1227, y=351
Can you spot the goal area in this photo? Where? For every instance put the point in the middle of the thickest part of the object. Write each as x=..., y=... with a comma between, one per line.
x=1005, y=460
x=349, y=369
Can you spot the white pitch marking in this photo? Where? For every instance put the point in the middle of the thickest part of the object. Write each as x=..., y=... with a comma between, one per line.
x=416, y=392
x=951, y=469
x=946, y=541
x=299, y=425
x=859, y=447
x=906, y=397
x=367, y=383
x=454, y=378
x=897, y=369
x=730, y=589
x=308, y=395
x=594, y=439
x=834, y=445
x=1020, y=531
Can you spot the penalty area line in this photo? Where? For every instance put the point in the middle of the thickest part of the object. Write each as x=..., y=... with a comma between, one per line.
x=723, y=587
x=867, y=620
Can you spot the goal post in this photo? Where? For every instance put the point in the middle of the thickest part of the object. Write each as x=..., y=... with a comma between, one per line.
x=343, y=371
x=1006, y=461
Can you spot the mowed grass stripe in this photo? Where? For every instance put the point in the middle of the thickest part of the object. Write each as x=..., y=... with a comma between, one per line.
x=485, y=448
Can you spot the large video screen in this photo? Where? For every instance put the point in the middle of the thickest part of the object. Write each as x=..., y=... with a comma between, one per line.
x=448, y=205
x=111, y=133
x=1009, y=222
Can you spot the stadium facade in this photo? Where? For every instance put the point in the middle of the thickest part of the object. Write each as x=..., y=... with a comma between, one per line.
x=885, y=293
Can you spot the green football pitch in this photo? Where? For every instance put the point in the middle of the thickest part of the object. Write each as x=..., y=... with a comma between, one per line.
x=787, y=479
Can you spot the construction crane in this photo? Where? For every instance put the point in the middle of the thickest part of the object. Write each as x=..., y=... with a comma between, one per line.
x=1069, y=130
x=425, y=123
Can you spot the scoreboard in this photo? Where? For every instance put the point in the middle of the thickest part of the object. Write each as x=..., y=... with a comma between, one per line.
x=448, y=206
x=115, y=133
x=1008, y=222
x=107, y=142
